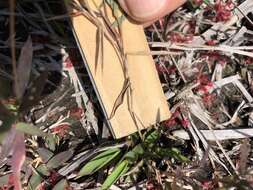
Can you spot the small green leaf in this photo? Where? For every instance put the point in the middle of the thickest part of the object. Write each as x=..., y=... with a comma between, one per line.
x=99, y=162
x=34, y=181
x=63, y=184
x=7, y=119
x=138, y=149
x=119, y=21
x=24, y=68
x=59, y=159
x=5, y=125
x=178, y=155
x=116, y=12
x=134, y=154
x=29, y=129
x=43, y=170
x=45, y=154
x=171, y=152
x=151, y=137
x=207, y=2
x=4, y=180
x=51, y=141
x=119, y=170
x=112, y=3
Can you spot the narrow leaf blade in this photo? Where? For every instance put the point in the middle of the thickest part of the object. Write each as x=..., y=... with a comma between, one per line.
x=99, y=162
x=29, y=129
x=121, y=169
x=59, y=159
x=63, y=184
x=18, y=159
x=24, y=68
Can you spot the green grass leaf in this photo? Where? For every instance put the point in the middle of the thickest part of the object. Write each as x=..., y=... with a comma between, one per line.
x=7, y=119
x=178, y=155
x=99, y=162
x=119, y=21
x=119, y=170
x=133, y=155
x=63, y=184
x=43, y=170
x=6, y=123
x=29, y=129
x=151, y=137
x=34, y=181
x=45, y=154
x=170, y=152
x=119, y=16
x=51, y=142
x=60, y=159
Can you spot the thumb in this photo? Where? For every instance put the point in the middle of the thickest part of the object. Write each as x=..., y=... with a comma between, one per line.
x=149, y=10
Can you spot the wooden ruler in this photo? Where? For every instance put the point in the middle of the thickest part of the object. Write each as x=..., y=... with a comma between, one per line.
x=146, y=105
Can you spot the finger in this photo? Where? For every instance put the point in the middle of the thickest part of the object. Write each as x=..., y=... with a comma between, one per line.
x=149, y=10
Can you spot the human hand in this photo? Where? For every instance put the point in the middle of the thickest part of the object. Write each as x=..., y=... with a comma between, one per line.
x=148, y=11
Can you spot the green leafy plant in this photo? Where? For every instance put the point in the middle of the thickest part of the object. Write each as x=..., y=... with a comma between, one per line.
x=11, y=101
x=99, y=162
x=12, y=127
x=116, y=12
x=138, y=152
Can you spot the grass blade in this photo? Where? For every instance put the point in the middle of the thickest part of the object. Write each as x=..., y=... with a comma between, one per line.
x=59, y=159
x=99, y=162
x=120, y=170
x=18, y=159
x=63, y=184
x=24, y=68
x=29, y=129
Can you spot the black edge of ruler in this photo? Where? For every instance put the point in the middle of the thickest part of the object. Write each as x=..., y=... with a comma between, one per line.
x=92, y=80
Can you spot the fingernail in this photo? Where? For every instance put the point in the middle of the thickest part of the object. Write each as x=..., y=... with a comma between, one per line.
x=143, y=9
